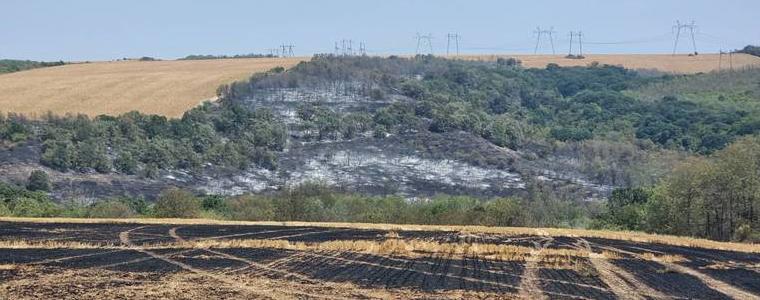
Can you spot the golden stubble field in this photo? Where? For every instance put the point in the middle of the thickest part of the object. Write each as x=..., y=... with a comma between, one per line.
x=172, y=87
x=158, y=87
x=678, y=64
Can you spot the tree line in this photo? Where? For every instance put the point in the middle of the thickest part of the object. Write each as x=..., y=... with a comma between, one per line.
x=13, y=65
x=133, y=143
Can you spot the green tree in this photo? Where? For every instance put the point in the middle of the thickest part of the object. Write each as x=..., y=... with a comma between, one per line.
x=176, y=203
x=111, y=209
x=38, y=181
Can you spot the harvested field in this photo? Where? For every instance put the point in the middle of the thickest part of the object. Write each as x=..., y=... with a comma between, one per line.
x=190, y=259
x=681, y=64
x=158, y=87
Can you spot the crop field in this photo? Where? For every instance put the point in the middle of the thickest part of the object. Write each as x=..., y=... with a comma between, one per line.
x=178, y=259
x=159, y=87
x=680, y=64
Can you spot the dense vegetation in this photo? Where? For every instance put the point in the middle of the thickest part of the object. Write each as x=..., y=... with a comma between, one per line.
x=513, y=107
x=311, y=202
x=751, y=50
x=12, y=65
x=717, y=197
x=134, y=143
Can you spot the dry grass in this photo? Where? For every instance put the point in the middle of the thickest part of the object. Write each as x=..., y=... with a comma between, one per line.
x=159, y=87
x=46, y=244
x=615, y=235
x=663, y=62
x=392, y=247
x=668, y=258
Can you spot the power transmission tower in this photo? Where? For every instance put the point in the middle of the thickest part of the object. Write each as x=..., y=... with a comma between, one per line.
x=690, y=27
x=539, y=32
x=362, y=49
x=579, y=35
x=273, y=52
x=455, y=38
x=346, y=48
x=287, y=50
x=422, y=40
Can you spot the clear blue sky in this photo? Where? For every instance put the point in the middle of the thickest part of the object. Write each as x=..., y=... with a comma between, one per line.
x=104, y=30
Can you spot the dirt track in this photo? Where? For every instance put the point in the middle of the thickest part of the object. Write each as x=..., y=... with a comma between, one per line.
x=150, y=261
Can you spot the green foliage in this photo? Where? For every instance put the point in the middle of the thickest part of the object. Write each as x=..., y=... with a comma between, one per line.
x=11, y=65
x=38, y=181
x=627, y=209
x=751, y=50
x=111, y=209
x=4, y=210
x=132, y=143
x=251, y=208
x=716, y=197
x=176, y=203
x=26, y=207
x=14, y=128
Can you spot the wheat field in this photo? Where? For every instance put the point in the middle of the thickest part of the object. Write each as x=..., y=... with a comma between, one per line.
x=678, y=64
x=170, y=88
x=158, y=87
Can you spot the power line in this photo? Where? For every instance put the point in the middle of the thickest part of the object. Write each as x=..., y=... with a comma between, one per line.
x=578, y=34
x=422, y=40
x=691, y=27
x=449, y=38
x=540, y=32
x=287, y=50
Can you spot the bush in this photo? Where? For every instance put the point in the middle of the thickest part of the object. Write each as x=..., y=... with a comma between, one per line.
x=25, y=207
x=4, y=211
x=176, y=203
x=111, y=209
x=38, y=181
x=251, y=208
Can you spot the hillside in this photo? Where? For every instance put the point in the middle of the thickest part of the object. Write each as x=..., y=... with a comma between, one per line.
x=157, y=87
x=469, y=140
x=170, y=88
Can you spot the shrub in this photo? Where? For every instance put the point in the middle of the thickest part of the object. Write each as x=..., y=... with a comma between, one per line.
x=25, y=207
x=251, y=208
x=38, y=181
x=111, y=209
x=213, y=202
x=176, y=203
x=4, y=211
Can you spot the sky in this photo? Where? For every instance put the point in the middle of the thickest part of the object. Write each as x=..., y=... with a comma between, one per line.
x=79, y=30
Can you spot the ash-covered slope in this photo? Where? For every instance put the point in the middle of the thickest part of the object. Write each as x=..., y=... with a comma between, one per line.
x=414, y=127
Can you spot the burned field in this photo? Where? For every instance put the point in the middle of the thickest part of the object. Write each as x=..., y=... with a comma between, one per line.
x=188, y=261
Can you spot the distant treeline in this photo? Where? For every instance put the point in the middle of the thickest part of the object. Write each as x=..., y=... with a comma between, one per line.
x=751, y=50
x=203, y=57
x=12, y=65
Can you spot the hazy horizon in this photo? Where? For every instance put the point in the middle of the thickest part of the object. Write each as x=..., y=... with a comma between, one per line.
x=93, y=30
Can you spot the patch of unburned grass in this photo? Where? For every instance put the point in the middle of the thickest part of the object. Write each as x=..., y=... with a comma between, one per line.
x=614, y=235
x=23, y=244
